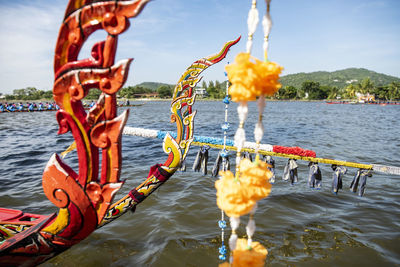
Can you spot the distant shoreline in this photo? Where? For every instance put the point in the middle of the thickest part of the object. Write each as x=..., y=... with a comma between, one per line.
x=122, y=101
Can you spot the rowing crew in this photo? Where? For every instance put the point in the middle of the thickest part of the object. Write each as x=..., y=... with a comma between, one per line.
x=28, y=107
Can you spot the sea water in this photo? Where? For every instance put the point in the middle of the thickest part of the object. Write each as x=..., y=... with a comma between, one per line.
x=177, y=224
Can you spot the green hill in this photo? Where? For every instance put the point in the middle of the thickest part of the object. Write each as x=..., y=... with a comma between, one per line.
x=153, y=86
x=339, y=78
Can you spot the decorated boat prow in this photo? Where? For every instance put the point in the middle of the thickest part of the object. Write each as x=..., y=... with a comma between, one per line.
x=85, y=197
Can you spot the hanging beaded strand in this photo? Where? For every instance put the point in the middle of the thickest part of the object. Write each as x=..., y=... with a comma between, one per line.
x=240, y=138
x=222, y=249
x=252, y=22
x=259, y=129
x=240, y=135
x=237, y=194
x=267, y=25
x=225, y=127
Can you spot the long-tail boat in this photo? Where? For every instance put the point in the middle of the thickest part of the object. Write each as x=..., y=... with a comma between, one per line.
x=85, y=197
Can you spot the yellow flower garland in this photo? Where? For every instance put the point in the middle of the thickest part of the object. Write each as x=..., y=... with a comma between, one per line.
x=256, y=177
x=237, y=196
x=251, y=79
x=244, y=257
x=232, y=195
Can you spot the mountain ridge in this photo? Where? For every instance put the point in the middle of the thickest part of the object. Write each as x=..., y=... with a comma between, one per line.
x=338, y=78
x=153, y=85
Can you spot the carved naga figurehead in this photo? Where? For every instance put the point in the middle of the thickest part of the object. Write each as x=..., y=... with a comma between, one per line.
x=85, y=196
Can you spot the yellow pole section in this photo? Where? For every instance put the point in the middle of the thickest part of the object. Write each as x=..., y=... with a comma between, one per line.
x=269, y=153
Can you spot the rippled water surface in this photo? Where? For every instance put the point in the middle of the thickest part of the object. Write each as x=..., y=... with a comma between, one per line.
x=177, y=225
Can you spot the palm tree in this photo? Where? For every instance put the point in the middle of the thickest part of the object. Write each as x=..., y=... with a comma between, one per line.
x=367, y=86
x=351, y=91
x=394, y=90
x=333, y=92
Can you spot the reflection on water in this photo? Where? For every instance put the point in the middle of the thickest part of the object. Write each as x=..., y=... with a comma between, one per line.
x=177, y=225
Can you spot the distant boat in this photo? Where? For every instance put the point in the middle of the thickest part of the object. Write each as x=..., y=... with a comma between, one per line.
x=381, y=103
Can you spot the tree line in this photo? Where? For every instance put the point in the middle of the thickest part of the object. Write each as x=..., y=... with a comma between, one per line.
x=309, y=90
x=31, y=93
x=314, y=91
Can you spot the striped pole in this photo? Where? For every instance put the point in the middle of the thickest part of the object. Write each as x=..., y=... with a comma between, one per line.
x=264, y=149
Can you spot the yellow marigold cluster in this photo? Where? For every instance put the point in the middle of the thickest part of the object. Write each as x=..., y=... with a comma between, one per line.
x=232, y=195
x=243, y=256
x=256, y=177
x=236, y=197
x=251, y=79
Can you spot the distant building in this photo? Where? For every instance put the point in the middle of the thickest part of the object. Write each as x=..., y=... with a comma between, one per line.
x=201, y=92
x=351, y=81
x=146, y=95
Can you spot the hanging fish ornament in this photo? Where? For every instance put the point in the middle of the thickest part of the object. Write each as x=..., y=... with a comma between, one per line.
x=271, y=166
x=360, y=179
x=200, y=163
x=314, y=176
x=246, y=155
x=290, y=171
x=221, y=163
x=337, y=178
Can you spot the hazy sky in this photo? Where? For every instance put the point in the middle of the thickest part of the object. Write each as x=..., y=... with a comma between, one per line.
x=307, y=35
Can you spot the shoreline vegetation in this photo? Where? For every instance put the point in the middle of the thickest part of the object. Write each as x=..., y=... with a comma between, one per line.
x=347, y=85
